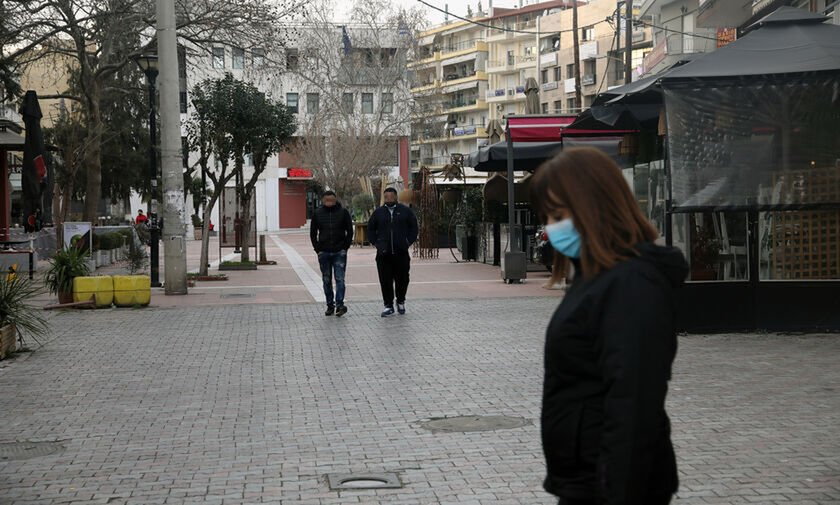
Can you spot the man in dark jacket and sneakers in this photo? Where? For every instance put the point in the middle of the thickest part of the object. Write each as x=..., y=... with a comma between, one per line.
x=392, y=229
x=331, y=233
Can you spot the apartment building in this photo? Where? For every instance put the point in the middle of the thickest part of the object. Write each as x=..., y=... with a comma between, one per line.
x=602, y=55
x=513, y=54
x=346, y=78
x=449, y=89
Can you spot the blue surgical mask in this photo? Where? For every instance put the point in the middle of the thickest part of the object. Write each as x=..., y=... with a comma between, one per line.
x=564, y=237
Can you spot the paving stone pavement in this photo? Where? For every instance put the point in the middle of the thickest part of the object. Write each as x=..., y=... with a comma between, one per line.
x=257, y=403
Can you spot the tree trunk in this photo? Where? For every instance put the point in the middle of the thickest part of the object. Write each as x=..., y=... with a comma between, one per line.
x=245, y=229
x=93, y=162
x=205, y=235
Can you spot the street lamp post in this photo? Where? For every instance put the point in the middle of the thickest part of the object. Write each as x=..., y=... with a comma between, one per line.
x=149, y=65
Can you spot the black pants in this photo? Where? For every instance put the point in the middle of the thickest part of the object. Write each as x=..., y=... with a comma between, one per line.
x=569, y=501
x=393, y=271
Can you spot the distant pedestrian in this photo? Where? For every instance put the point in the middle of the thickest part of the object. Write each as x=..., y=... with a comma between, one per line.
x=141, y=218
x=331, y=233
x=392, y=229
x=611, y=342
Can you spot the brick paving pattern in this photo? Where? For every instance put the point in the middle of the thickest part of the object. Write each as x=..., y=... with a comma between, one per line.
x=257, y=403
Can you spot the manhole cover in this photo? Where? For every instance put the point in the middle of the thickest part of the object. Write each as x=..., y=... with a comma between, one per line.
x=345, y=481
x=238, y=295
x=474, y=423
x=25, y=450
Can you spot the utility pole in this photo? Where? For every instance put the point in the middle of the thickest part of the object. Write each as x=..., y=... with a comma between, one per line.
x=578, y=101
x=174, y=244
x=628, y=41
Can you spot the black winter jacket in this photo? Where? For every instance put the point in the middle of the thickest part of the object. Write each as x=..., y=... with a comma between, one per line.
x=395, y=235
x=608, y=354
x=331, y=229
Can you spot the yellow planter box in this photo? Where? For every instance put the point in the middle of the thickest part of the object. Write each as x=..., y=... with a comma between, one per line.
x=100, y=287
x=130, y=290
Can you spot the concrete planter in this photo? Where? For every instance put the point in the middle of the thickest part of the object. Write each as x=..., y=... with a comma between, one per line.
x=238, y=267
x=92, y=262
x=8, y=341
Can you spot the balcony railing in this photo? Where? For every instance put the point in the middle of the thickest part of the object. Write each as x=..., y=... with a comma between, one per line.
x=460, y=46
x=454, y=104
x=458, y=75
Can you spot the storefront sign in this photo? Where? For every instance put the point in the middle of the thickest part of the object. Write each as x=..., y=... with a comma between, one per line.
x=726, y=35
x=458, y=131
x=299, y=173
x=469, y=130
x=548, y=86
x=520, y=89
x=655, y=55
x=79, y=235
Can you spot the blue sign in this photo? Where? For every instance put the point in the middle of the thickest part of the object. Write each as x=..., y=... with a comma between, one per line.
x=469, y=130
x=458, y=131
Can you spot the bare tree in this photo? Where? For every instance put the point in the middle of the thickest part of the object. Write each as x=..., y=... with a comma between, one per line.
x=358, y=73
x=103, y=37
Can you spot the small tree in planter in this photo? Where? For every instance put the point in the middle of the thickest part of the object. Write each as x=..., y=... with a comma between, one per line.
x=362, y=206
x=66, y=265
x=16, y=315
x=468, y=219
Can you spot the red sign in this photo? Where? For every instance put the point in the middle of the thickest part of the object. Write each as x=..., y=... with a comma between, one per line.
x=299, y=173
x=655, y=55
x=726, y=35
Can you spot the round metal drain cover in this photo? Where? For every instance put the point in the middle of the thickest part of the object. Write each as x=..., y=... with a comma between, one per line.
x=345, y=481
x=363, y=483
x=474, y=423
x=25, y=450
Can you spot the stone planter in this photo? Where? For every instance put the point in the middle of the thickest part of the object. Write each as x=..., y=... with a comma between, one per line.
x=92, y=262
x=238, y=267
x=197, y=233
x=8, y=341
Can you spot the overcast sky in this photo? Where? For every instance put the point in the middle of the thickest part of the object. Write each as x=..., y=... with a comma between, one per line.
x=458, y=7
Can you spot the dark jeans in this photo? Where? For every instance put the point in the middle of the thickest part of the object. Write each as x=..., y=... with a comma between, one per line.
x=333, y=262
x=393, y=272
x=654, y=501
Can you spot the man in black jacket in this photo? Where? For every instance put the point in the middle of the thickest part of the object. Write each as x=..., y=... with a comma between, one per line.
x=331, y=233
x=392, y=229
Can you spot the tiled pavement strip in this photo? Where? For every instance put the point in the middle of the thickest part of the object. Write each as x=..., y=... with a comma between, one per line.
x=255, y=403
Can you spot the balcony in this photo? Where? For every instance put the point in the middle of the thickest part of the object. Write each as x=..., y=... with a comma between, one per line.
x=425, y=61
x=426, y=86
x=462, y=48
x=469, y=104
x=501, y=66
x=527, y=61
x=455, y=79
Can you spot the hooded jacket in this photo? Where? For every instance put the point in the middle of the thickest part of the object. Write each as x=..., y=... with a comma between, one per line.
x=331, y=229
x=608, y=354
x=392, y=233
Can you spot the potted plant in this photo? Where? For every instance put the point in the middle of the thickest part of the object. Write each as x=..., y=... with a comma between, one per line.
x=468, y=220
x=16, y=315
x=65, y=265
x=705, y=248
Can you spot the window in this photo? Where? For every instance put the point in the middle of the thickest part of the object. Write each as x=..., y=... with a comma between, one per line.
x=367, y=103
x=291, y=59
x=570, y=71
x=348, y=103
x=218, y=57
x=237, y=58
x=258, y=56
x=558, y=105
x=558, y=73
x=292, y=102
x=587, y=100
x=313, y=103
x=249, y=160
x=587, y=33
x=545, y=108
x=183, y=99
x=544, y=76
x=511, y=59
x=570, y=104
x=182, y=62
x=387, y=103
x=589, y=67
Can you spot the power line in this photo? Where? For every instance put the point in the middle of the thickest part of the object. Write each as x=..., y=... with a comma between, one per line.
x=675, y=31
x=500, y=28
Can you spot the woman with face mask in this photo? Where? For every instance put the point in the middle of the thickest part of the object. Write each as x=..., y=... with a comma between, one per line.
x=611, y=342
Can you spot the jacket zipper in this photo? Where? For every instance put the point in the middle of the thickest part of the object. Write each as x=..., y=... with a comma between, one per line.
x=330, y=241
x=392, y=232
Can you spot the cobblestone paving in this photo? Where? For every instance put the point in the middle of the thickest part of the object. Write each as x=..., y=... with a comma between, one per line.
x=257, y=403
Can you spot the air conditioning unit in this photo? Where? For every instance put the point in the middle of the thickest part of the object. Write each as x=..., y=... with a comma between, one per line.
x=510, y=91
x=500, y=108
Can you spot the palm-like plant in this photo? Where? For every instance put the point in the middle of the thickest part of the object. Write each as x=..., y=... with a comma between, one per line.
x=15, y=291
x=65, y=265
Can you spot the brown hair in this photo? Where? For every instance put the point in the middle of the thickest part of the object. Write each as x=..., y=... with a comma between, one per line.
x=603, y=209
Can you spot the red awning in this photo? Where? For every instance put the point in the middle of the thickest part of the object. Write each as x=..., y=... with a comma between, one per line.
x=544, y=128
x=538, y=128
